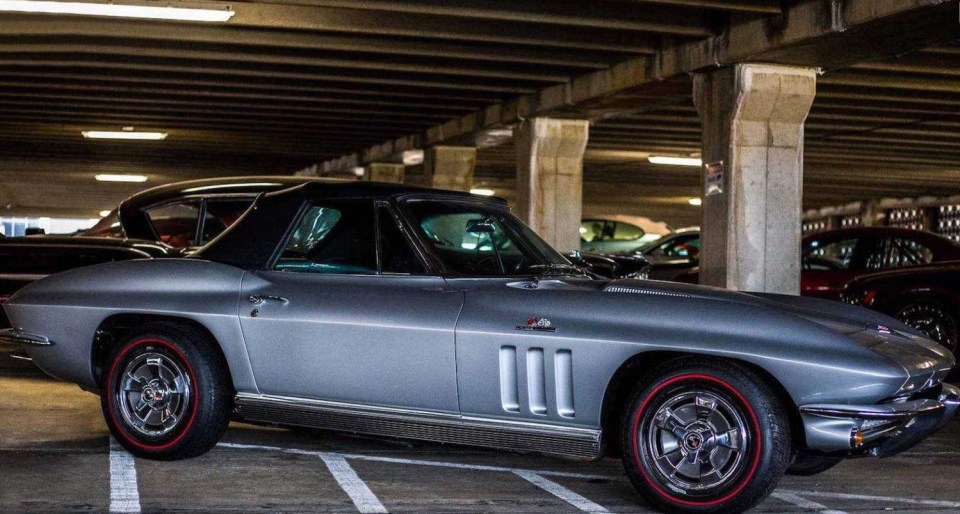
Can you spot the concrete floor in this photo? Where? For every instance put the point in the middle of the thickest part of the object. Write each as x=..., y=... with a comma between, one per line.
x=55, y=455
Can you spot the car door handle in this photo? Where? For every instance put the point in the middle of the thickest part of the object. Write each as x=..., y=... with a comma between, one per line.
x=260, y=299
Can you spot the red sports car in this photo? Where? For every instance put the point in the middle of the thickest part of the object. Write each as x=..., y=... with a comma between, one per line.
x=831, y=259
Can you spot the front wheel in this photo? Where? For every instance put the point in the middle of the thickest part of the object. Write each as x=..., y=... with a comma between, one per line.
x=166, y=393
x=705, y=437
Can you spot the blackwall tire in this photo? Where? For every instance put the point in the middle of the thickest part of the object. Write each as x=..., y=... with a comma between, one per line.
x=809, y=465
x=166, y=392
x=934, y=319
x=717, y=427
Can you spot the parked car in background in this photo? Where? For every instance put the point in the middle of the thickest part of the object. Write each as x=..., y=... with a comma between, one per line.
x=26, y=259
x=926, y=298
x=617, y=234
x=483, y=335
x=831, y=259
x=612, y=266
x=165, y=221
x=673, y=255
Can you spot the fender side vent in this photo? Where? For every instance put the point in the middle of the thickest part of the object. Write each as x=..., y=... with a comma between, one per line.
x=638, y=290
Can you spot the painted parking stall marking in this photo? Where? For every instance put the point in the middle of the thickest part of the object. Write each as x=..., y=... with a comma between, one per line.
x=804, y=503
x=351, y=483
x=560, y=492
x=878, y=499
x=124, y=491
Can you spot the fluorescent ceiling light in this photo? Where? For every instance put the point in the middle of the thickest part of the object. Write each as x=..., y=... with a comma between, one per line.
x=675, y=161
x=104, y=214
x=123, y=134
x=413, y=157
x=167, y=11
x=695, y=201
x=483, y=192
x=107, y=177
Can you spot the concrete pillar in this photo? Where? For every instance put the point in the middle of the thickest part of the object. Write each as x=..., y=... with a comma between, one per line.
x=753, y=118
x=550, y=178
x=385, y=172
x=449, y=167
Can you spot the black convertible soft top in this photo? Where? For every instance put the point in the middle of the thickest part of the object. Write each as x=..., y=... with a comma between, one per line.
x=250, y=243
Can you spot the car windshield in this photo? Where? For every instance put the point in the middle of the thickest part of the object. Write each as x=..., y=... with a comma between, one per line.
x=472, y=239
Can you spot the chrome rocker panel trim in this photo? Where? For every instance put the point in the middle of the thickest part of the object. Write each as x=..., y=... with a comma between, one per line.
x=888, y=429
x=17, y=337
x=577, y=443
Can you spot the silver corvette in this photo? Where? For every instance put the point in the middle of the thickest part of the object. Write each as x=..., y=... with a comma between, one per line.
x=413, y=313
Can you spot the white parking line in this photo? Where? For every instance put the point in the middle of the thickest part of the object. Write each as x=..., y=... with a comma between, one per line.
x=364, y=499
x=879, y=499
x=561, y=492
x=395, y=460
x=124, y=492
x=804, y=503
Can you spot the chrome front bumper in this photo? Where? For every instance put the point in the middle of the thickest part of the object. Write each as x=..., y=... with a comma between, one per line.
x=883, y=430
x=16, y=338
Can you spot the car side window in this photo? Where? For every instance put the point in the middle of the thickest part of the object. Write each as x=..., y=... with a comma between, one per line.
x=829, y=255
x=899, y=253
x=333, y=237
x=396, y=254
x=596, y=230
x=678, y=248
x=176, y=223
x=220, y=214
x=627, y=232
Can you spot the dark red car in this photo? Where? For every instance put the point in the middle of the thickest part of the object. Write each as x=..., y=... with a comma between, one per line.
x=831, y=259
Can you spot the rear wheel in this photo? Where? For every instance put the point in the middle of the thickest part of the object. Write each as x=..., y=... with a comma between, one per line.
x=166, y=393
x=934, y=319
x=705, y=437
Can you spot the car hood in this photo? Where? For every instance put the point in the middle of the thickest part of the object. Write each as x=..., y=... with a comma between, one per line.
x=834, y=315
x=922, y=358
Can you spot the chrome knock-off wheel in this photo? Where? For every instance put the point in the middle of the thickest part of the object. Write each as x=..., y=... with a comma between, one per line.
x=697, y=442
x=154, y=394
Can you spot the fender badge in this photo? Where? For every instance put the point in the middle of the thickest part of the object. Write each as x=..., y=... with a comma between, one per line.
x=536, y=324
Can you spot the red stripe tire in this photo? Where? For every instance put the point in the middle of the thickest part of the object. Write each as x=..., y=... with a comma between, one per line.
x=705, y=436
x=166, y=392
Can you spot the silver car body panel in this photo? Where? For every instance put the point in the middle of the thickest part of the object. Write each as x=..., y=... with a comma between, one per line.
x=477, y=361
x=353, y=338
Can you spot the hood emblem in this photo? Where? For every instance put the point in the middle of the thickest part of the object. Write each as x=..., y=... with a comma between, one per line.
x=536, y=324
x=884, y=330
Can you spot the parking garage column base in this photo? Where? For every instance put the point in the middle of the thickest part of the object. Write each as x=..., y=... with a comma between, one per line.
x=550, y=178
x=386, y=172
x=753, y=116
x=450, y=167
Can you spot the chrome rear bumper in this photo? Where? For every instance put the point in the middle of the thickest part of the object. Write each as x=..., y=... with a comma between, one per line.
x=14, y=337
x=884, y=430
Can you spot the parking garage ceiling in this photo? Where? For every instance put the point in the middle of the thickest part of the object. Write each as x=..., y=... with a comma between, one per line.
x=288, y=83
